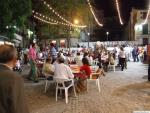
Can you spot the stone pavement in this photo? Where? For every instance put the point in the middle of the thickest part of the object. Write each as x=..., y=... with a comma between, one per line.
x=121, y=92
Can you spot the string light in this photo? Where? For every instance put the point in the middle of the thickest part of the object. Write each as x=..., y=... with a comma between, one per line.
x=50, y=20
x=57, y=14
x=44, y=20
x=43, y=16
x=119, y=14
x=92, y=11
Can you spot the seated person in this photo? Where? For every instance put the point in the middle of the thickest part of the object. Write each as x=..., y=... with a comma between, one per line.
x=104, y=59
x=85, y=71
x=48, y=69
x=78, y=59
x=68, y=59
x=62, y=70
x=111, y=59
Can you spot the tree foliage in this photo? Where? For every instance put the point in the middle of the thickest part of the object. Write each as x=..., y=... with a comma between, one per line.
x=13, y=12
x=69, y=9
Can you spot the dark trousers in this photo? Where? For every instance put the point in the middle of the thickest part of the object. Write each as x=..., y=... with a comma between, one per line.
x=134, y=58
x=125, y=63
x=122, y=63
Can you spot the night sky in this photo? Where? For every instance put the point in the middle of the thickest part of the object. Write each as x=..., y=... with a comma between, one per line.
x=111, y=21
x=109, y=8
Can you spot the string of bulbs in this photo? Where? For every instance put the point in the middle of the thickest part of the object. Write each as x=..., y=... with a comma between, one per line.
x=68, y=23
x=58, y=15
x=92, y=11
x=47, y=19
x=119, y=14
x=42, y=20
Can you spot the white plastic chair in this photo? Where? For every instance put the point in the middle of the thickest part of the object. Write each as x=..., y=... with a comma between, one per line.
x=112, y=66
x=60, y=85
x=97, y=80
x=47, y=81
x=95, y=62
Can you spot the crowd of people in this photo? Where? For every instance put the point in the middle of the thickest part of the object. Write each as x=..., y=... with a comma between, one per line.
x=57, y=64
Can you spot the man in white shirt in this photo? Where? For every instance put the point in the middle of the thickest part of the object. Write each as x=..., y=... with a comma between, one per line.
x=62, y=71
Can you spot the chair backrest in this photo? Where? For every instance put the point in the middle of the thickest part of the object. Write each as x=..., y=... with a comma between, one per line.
x=94, y=72
x=94, y=68
x=95, y=62
x=94, y=76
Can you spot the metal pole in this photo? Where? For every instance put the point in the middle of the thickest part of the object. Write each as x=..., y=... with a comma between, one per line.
x=68, y=38
x=88, y=40
x=107, y=37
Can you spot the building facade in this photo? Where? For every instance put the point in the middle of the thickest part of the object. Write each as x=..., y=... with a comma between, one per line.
x=138, y=31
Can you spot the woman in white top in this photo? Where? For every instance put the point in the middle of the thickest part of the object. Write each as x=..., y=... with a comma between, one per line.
x=122, y=57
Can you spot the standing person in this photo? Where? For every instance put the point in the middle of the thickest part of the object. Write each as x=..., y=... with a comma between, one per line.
x=122, y=57
x=53, y=51
x=134, y=54
x=12, y=99
x=32, y=59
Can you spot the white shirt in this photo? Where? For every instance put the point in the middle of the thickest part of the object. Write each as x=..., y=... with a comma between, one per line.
x=63, y=71
x=78, y=60
x=90, y=59
x=127, y=50
x=122, y=54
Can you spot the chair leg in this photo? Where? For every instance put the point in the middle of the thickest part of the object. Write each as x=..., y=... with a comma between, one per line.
x=87, y=85
x=74, y=91
x=66, y=95
x=56, y=93
x=98, y=83
x=114, y=69
x=45, y=86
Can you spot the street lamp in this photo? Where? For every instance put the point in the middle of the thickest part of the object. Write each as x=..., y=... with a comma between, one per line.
x=107, y=33
x=76, y=21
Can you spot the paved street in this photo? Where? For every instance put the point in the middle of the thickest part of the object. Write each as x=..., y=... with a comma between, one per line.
x=121, y=92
